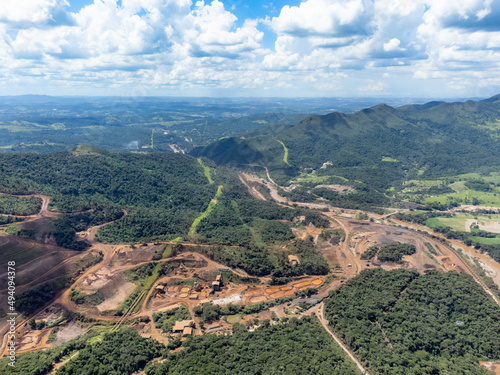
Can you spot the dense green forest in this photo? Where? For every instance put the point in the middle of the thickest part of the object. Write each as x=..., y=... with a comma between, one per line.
x=67, y=226
x=21, y=206
x=162, y=192
x=88, y=177
x=394, y=252
x=31, y=300
x=298, y=347
x=118, y=353
x=400, y=322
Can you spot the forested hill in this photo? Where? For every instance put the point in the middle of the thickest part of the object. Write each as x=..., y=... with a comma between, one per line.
x=433, y=139
x=89, y=177
x=163, y=193
x=166, y=196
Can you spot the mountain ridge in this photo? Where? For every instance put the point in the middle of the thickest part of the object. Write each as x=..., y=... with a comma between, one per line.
x=418, y=136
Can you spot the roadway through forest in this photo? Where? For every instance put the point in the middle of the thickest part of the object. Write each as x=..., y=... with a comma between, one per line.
x=318, y=311
x=350, y=258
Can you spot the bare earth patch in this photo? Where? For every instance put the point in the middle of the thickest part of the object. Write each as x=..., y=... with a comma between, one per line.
x=341, y=189
x=490, y=226
x=492, y=366
x=118, y=297
x=93, y=282
x=70, y=332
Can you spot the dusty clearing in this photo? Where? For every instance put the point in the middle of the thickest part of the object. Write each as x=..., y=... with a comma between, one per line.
x=67, y=333
x=489, y=226
x=341, y=189
x=98, y=280
x=120, y=295
x=491, y=366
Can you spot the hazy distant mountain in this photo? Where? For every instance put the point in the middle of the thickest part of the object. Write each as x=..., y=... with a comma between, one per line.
x=436, y=138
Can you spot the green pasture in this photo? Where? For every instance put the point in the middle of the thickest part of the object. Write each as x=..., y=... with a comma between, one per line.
x=485, y=240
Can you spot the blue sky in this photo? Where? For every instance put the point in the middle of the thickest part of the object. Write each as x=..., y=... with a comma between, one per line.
x=354, y=48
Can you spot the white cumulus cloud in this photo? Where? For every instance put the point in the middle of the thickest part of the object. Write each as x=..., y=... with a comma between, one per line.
x=319, y=47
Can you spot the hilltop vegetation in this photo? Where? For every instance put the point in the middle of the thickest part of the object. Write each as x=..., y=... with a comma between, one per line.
x=82, y=180
x=42, y=123
x=379, y=147
x=478, y=189
x=163, y=192
x=240, y=219
x=400, y=322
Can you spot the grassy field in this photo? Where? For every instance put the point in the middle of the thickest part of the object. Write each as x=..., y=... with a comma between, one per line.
x=314, y=178
x=416, y=185
x=206, y=170
x=466, y=197
x=211, y=205
x=388, y=159
x=285, y=156
x=232, y=319
x=415, y=190
x=486, y=241
x=458, y=222
x=167, y=253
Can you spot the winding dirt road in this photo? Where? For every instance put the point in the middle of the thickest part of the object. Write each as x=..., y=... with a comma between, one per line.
x=356, y=265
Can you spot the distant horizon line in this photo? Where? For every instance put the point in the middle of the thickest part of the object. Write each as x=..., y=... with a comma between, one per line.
x=138, y=97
